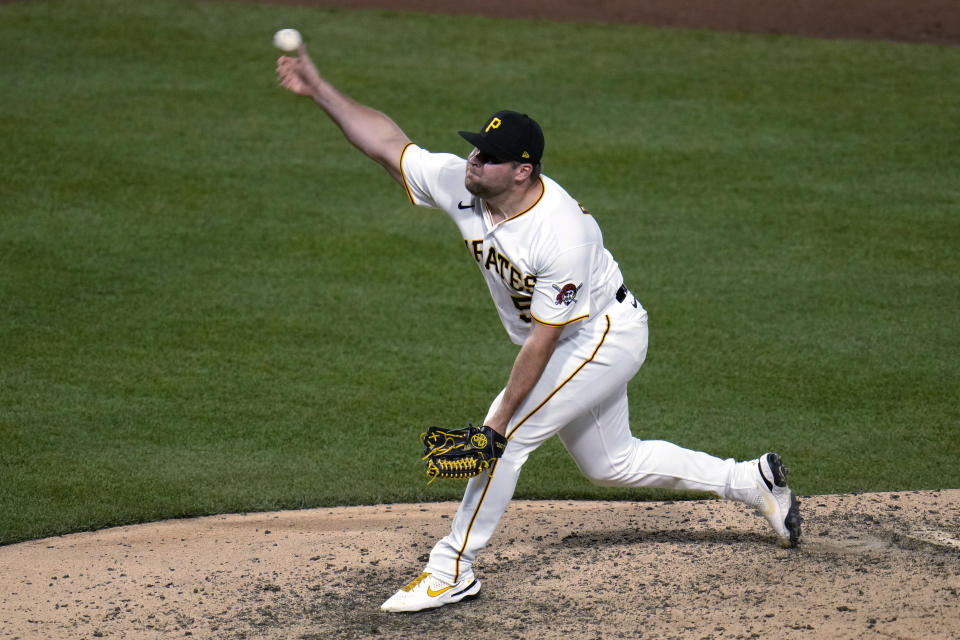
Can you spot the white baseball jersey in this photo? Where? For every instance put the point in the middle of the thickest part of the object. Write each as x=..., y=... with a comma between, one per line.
x=547, y=262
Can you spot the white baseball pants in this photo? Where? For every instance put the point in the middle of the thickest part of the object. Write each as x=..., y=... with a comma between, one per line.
x=582, y=398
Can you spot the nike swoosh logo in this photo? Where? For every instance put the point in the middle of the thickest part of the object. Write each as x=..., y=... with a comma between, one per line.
x=434, y=594
x=460, y=205
x=765, y=481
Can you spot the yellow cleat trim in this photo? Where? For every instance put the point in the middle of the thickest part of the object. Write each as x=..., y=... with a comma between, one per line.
x=434, y=594
x=413, y=584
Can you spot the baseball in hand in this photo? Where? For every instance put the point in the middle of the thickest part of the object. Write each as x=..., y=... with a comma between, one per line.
x=287, y=40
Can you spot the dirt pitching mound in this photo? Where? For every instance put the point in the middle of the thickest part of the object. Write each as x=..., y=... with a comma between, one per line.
x=870, y=565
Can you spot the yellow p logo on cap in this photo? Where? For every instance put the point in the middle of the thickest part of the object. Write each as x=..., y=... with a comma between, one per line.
x=494, y=124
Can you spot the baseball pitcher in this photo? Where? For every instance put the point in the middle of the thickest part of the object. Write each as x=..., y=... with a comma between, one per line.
x=582, y=335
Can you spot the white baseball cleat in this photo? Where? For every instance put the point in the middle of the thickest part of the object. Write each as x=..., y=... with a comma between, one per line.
x=775, y=501
x=429, y=592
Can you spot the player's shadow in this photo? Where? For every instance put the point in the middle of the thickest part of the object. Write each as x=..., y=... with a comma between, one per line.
x=640, y=537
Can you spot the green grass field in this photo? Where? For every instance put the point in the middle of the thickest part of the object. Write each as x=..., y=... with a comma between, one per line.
x=212, y=303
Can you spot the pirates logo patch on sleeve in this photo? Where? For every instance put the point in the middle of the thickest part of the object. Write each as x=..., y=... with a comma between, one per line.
x=567, y=294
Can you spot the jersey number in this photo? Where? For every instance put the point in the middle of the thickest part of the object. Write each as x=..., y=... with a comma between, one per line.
x=522, y=303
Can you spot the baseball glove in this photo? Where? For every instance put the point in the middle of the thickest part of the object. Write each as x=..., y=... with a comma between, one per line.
x=461, y=453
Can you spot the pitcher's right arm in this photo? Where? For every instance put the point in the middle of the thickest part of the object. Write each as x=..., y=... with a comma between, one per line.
x=369, y=130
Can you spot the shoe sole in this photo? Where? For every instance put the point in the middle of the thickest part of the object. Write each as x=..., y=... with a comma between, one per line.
x=793, y=520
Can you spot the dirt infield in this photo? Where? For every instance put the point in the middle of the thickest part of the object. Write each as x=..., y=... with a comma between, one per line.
x=869, y=566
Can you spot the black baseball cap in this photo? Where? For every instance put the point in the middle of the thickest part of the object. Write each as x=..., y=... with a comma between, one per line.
x=509, y=135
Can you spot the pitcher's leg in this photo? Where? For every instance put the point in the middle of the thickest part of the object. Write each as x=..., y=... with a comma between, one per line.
x=602, y=446
x=573, y=380
x=578, y=375
x=483, y=505
x=609, y=455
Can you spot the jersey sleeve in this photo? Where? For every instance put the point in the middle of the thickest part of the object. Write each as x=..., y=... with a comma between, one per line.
x=429, y=178
x=562, y=293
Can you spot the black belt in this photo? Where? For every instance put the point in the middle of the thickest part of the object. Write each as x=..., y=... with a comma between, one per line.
x=622, y=293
